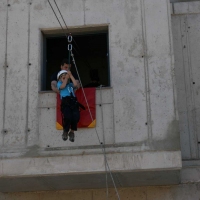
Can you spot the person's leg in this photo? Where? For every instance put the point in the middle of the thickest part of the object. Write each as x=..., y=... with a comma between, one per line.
x=66, y=122
x=74, y=121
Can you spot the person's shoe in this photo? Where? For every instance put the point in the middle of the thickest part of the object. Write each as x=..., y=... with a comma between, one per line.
x=71, y=136
x=65, y=135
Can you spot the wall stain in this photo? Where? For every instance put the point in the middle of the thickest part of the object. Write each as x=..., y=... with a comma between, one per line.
x=172, y=138
x=38, y=7
x=130, y=10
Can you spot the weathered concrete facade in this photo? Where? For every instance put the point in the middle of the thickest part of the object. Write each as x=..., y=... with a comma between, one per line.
x=140, y=113
x=183, y=192
x=185, y=23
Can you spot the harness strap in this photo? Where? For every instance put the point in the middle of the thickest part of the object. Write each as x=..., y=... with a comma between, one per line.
x=81, y=106
x=72, y=102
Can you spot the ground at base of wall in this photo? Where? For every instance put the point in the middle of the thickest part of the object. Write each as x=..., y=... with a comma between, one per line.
x=177, y=192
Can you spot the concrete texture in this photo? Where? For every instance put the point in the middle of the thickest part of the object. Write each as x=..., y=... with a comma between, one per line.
x=3, y=55
x=90, y=163
x=139, y=110
x=180, y=192
x=16, y=80
x=186, y=49
x=160, y=70
x=190, y=174
x=127, y=68
x=128, y=169
x=145, y=71
x=129, y=112
x=186, y=7
x=88, y=181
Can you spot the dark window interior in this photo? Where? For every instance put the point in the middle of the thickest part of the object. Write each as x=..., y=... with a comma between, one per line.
x=90, y=53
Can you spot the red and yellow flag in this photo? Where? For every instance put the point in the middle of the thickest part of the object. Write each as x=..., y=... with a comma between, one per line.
x=86, y=121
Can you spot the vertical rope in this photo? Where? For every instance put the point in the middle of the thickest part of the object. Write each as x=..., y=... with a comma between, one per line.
x=104, y=141
x=102, y=147
x=104, y=153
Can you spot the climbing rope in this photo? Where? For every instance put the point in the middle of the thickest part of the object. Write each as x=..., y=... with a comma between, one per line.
x=104, y=141
x=70, y=47
x=101, y=144
x=60, y=22
x=64, y=21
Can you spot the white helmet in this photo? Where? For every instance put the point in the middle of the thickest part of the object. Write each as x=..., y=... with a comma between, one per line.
x=60, y=73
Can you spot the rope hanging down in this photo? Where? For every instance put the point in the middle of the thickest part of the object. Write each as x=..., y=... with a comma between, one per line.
x=101, y=144
x=60, y=22
x=64, y=20
x=65, y=33
x=70, y=47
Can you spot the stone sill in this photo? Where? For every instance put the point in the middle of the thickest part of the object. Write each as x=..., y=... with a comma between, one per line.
x=127, y=161
x=88, y=171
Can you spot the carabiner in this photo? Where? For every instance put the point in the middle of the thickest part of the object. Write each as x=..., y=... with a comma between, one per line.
x=69, y=47
x=69, y=38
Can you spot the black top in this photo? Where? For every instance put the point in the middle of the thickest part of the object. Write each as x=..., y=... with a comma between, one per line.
x=54, y=76
x=92, y=84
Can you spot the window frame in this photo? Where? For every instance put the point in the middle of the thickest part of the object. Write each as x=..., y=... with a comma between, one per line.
x=78, y=30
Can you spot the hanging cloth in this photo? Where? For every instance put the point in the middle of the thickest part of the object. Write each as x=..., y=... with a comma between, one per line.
x=85, y=117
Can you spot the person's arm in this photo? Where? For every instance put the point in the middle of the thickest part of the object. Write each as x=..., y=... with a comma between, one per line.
x=75, y=82
x=54, y=86
x=78, y=84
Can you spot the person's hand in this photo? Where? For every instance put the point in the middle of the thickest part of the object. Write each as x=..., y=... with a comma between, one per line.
x=69, y=73
x=58, y=91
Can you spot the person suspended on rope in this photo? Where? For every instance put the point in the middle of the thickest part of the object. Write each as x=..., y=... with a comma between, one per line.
x=69, y=104
x=65, y=65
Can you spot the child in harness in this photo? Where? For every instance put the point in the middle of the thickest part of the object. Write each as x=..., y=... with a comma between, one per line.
x=69, y=104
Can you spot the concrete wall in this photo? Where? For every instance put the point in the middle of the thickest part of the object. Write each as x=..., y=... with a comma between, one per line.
x=185, y=27
x=180, y=192
x=140, y=120
x=144, y=70
x=185, y=23
x=121, y=151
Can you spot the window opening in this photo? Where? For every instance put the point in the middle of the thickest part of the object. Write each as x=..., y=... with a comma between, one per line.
x=91, y=55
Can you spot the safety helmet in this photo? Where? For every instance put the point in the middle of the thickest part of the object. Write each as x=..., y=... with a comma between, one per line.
x=60, y=73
